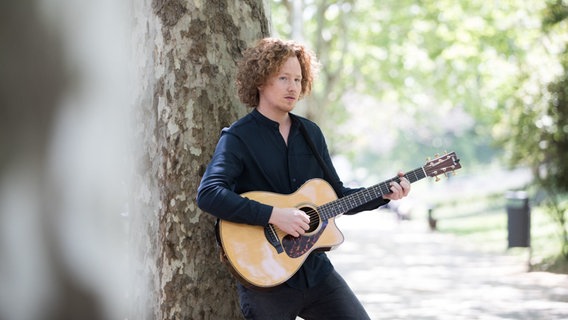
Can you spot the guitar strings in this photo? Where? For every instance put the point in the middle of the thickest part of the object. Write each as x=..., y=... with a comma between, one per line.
x=342, y=205
x=312, y=214
x=359, y=198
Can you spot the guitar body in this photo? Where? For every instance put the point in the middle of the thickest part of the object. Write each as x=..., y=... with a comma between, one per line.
x=256, y=260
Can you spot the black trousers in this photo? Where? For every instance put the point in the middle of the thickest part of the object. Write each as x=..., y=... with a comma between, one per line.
x=330, y=299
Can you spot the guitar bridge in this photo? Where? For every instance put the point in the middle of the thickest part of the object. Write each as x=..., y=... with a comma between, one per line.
x=272, y=238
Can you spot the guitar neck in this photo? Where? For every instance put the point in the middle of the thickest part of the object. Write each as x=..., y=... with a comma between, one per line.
x=359, y=198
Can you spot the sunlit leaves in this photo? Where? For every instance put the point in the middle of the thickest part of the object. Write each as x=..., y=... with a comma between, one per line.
x=433, y=64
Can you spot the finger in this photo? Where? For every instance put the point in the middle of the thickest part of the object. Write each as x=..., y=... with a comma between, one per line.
x=406, y=190
x=398, y=191
x=407, y=187
x=306, y=218
x=404, y=186
x=395, y=187
x=303, y=215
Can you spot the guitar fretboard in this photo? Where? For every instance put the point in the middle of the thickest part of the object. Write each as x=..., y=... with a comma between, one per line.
x=359, y=198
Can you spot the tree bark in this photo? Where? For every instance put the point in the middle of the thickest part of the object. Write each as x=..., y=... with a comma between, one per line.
x=189, y=97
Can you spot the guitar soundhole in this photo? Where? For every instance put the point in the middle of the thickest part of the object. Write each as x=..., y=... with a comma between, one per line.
x=314, y=218
x=297, y=247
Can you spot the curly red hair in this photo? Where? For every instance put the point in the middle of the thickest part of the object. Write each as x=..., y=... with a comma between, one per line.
x=265, y=59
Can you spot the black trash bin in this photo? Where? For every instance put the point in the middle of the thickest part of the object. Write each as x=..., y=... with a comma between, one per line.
x=518, y=219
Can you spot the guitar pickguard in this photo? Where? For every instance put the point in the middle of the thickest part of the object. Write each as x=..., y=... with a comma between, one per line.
x=297, y=246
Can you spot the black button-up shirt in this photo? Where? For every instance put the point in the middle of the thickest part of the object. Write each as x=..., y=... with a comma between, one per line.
x=251, y=155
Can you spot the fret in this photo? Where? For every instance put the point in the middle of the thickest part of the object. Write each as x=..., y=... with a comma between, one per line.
x=384, y=188
x=375, y=193
x=352, y=201
x=432, y=168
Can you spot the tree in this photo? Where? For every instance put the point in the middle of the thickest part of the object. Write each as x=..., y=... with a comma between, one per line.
x=555, y=140
x=425, y=75
x=420, y=76
x=538, y=118
x=188, y=98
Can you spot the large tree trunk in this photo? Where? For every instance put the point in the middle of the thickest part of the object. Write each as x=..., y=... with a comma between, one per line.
x=189, y=96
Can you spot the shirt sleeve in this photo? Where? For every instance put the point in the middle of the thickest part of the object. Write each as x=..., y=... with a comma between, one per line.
x=216, y=195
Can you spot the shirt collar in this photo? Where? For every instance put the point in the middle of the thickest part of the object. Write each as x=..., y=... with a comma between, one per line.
x=268, y=122
x=263, y=120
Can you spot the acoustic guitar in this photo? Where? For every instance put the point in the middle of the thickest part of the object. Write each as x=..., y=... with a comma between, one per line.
x=264, y=257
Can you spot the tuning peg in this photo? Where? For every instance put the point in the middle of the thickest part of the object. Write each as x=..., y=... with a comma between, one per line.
x=437, y=179
x=428, y=159
x=437, y=155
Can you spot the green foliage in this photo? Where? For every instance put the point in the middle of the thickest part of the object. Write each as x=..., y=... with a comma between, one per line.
x=429, y=76
x=405, y=79
x=555, y=12
x=535, y=127
x=554, y=140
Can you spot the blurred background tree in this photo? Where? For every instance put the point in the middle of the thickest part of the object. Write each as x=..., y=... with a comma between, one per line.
x=534, y=125
x=403, y=79
x=416, y=77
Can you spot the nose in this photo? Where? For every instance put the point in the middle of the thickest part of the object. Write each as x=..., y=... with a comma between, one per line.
x=293, y=85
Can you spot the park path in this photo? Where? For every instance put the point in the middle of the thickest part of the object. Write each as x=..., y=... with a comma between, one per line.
x=402, y=270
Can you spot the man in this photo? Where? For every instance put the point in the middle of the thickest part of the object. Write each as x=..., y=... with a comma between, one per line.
x=267, y=151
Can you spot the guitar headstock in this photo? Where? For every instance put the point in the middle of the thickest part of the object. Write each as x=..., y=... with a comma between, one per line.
x=445, y=164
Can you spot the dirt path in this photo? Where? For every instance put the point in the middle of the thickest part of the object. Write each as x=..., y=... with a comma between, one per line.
x=401, y=270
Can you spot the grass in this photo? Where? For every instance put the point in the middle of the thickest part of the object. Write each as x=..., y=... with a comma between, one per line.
x=473, y=207
x=483, y=224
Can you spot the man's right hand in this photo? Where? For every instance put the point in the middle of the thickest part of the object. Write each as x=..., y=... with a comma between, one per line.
x=293, y=221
